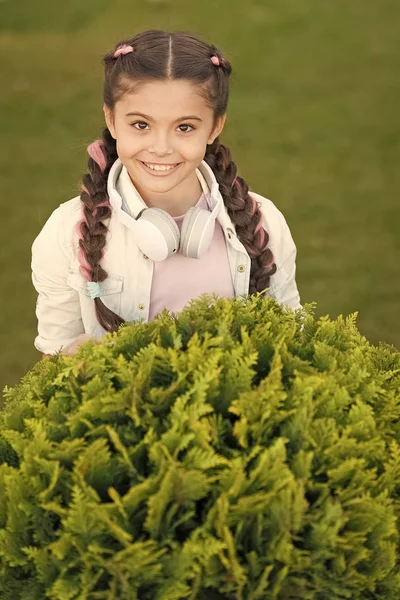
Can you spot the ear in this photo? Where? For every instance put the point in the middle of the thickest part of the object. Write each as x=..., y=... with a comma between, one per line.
x=109, y=117
x=217, y=129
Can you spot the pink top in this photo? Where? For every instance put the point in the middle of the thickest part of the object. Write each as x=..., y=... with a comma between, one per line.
x=179, y=278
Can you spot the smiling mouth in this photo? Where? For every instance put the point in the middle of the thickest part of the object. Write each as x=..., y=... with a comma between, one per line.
x=160, y=167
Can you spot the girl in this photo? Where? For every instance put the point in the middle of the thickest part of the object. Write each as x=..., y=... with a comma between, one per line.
x=162, y=216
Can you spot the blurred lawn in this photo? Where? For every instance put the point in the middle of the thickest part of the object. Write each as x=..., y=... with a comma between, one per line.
x=313, y=124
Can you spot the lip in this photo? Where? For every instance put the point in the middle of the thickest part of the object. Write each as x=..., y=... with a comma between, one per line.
x=159, y=173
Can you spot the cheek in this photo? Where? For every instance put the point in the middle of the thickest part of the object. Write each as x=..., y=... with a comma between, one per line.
x=195, y=148
x=128, y=144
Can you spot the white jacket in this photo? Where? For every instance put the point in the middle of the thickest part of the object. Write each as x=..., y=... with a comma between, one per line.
x=64, y=308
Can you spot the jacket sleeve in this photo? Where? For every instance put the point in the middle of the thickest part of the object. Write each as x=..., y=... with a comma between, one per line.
x=283, y=286
x=57, y=307
x=286, y=291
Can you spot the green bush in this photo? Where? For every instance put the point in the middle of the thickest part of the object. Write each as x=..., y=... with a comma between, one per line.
x=234, y=451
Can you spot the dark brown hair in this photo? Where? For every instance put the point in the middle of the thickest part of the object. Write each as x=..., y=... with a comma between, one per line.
x=159, y=55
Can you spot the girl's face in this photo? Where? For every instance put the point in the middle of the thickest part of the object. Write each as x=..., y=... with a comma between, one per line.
x=166, y=124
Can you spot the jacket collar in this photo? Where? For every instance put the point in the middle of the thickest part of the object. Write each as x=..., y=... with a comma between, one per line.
x=119, y=185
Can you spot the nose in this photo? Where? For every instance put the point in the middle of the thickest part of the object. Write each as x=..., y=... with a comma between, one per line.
x=160, y=145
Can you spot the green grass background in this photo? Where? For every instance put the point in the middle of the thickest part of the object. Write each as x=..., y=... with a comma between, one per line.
x=313, y=124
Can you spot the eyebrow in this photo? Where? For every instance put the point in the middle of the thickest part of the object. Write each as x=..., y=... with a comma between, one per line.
x=138, y=114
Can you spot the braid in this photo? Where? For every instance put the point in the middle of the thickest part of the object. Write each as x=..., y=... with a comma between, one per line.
x=91, y=229
x=245, y=215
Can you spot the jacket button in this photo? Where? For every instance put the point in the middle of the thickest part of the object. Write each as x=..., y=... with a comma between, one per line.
x=145, y=257
x=241, y=268
x=141, y=306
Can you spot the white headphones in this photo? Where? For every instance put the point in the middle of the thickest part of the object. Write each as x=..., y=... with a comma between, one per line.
x=156, y=232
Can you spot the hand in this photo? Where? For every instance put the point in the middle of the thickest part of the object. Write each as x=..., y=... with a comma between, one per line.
x=73, y=347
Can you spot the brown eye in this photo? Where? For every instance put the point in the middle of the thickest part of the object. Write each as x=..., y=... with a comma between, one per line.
x=139, y=123
x=186, y=125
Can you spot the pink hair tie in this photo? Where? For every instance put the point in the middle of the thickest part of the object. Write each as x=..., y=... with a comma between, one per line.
x=124, y=49
x=215, y=61
x=95, y=151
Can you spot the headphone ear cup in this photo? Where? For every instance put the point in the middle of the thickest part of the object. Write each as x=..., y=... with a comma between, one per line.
x=157, y=234
x=197, y=232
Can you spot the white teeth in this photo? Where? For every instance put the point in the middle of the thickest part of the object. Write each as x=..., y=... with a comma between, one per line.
x=159, y=167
